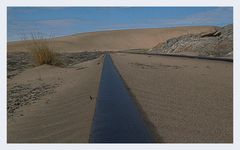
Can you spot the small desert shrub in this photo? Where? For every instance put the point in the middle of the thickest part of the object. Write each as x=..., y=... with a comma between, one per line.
x=42, y=52
x=44, y=56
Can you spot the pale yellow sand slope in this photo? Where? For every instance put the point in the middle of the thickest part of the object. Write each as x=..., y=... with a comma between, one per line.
x=63, y=116
x=115, y=39
x=186, y=100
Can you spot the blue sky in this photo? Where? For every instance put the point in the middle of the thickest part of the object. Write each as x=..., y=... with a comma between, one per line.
x=71, y=20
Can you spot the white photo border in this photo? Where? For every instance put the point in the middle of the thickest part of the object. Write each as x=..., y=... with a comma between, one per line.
x=126, y=3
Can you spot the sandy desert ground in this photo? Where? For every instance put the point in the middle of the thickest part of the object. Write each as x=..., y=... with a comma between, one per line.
x=183, y=100
x=115, y=40
x=48, y=104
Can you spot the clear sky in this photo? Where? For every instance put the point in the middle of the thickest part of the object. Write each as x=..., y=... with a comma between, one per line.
x=71, y=20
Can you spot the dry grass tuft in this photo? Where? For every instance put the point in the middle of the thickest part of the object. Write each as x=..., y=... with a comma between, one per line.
x=42, y=52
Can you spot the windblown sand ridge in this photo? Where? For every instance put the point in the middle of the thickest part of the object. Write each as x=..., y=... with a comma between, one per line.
x=115, y=39
x=184, y=100
x=62, y=114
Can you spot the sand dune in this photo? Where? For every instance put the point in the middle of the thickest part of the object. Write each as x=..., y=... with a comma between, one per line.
x=183, y=99
x=116, y=39
x=64, y=115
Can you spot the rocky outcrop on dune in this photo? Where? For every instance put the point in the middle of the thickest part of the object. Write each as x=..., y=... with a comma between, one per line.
x=217, y=43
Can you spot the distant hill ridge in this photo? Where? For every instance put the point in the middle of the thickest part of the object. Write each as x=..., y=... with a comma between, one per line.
x=116, y=40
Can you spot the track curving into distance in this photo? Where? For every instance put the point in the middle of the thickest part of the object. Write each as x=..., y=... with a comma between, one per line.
x=116, y=118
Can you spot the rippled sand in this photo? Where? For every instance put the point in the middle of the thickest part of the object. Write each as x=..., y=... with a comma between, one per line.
x=183, y=100
x=62, y=116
